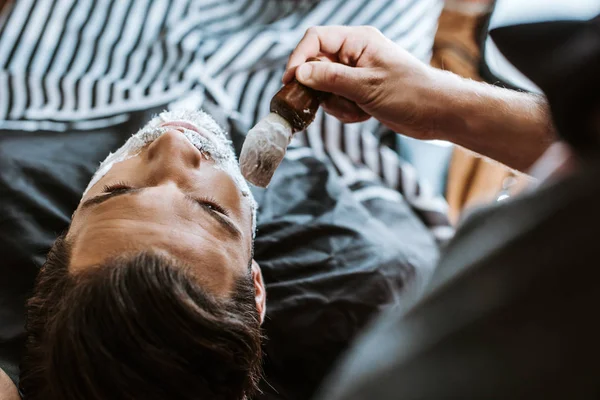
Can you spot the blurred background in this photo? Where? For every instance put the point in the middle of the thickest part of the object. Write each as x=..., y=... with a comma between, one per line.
x=462, y=45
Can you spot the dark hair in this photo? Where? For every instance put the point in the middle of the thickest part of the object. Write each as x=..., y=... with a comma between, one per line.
x=137, y=327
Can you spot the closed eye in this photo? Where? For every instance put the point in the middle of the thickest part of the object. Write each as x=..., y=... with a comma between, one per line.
x=119, y=186
x=208, y=202
x=209, y=206
x=212, y=205
x=218, y=213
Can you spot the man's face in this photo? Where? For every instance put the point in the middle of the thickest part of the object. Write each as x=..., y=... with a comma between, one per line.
x=174, y=188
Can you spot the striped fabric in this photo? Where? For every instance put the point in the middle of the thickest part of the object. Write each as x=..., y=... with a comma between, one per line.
x=83, y=64
x=373, y=171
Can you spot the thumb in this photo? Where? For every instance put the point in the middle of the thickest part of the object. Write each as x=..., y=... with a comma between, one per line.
x=349, y=82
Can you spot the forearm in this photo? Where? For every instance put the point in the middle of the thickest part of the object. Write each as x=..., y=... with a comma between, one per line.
x=385, y=82
x=511, y=127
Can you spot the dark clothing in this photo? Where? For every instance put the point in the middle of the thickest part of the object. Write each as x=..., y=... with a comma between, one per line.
x=510, y=314
x=333, y=255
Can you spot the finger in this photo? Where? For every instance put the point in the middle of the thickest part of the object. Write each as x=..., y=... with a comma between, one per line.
x=288, y=75
x=316, y=41
x=343, y=106
x=344, y=110
x=309, y=46
x=352, y=83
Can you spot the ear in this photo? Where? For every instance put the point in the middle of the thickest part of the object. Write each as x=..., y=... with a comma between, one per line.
x=259, y=290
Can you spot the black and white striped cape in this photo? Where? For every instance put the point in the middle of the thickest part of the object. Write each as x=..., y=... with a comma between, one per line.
x=83, y=64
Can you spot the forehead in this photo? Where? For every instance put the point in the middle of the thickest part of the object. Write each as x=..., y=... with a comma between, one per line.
x=168, y=224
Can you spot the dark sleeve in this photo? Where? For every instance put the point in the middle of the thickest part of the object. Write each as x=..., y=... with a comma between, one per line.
x=510, y=313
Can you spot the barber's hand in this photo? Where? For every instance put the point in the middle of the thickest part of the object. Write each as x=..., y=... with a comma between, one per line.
x=368, y=75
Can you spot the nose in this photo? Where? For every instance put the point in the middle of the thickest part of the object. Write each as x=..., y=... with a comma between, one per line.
x=173, y=148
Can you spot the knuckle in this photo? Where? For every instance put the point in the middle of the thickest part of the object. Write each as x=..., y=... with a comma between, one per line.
x=371, y=30
x=313, y=30
x=333, y=76
x=350, y=118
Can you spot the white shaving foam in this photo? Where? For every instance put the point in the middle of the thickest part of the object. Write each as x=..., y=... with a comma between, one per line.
x=216, y=147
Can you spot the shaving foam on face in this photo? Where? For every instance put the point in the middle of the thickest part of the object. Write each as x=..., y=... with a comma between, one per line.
x=264, y=149
x=215, y=146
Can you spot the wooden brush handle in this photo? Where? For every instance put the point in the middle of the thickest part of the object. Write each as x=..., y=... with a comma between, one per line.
x=297, y=104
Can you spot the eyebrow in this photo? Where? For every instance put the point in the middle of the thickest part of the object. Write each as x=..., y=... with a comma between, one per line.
x=225, y=223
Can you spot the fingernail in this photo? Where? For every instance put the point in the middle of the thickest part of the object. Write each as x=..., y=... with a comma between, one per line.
x=304, y=72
